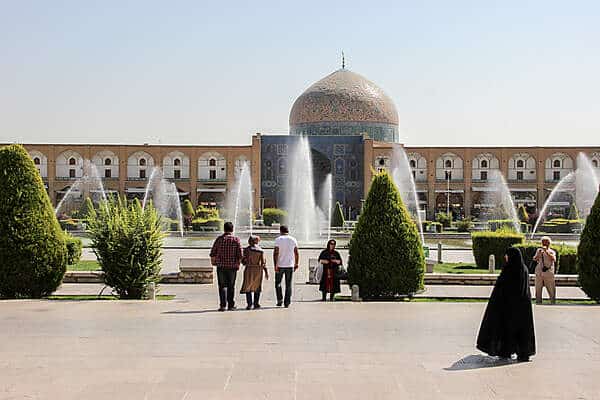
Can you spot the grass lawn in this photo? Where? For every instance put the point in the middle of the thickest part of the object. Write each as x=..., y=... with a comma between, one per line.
x=459, y=268
x=84, y=265
x=83, y=297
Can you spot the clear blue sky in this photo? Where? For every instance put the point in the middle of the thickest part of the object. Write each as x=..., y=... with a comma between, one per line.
x=196, y=72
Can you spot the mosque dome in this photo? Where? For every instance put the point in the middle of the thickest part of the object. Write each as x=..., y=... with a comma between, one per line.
x=345, y=103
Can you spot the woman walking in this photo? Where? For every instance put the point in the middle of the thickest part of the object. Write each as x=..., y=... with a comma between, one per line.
x=254, y=260
x=507, y=326
x=332, y=262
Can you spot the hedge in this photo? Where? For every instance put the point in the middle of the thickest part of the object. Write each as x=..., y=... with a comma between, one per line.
x=200, y=224
x=74, y=248
x=560, y=225
x=566, y=257
x=273, y=216
x=464, y=225
x=33, y=251
x=206, y=213
x=386, y=253
x=503, y=224
x=444, y=219
x=430, y=226
x=496, y=243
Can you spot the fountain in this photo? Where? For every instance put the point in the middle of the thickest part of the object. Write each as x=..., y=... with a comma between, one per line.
x=303, y=217
x=164, y=197
x=498, y=194
x=90, y=184
x=404, y=180
x=326, y=202
x=240, y=200
x=583, y=182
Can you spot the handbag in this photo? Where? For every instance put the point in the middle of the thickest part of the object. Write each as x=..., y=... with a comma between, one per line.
x=342, y=274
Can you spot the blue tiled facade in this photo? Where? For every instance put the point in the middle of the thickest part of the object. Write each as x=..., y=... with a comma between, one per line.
x=380, y=132
x=342, y=156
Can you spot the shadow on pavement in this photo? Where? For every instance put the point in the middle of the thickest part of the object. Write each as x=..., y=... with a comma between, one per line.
x=239, y=309
x=477, y=361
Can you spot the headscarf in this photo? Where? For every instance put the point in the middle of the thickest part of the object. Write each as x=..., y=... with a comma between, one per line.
x=253, y=242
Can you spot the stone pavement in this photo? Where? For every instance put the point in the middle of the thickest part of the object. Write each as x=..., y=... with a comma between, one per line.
x=185, y=349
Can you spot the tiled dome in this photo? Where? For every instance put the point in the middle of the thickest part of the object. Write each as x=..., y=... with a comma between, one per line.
x=343, y=96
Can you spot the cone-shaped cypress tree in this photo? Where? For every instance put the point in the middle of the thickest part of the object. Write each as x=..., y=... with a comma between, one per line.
x=33, y=252
x=187, y=209
x=588, y=254
x=386, y=254
x=522, y=214
x=337, y=219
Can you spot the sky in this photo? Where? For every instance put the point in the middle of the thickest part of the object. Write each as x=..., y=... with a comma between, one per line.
x=215, y=72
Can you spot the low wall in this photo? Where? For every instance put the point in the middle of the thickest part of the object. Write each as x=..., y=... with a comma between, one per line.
x=200, y=275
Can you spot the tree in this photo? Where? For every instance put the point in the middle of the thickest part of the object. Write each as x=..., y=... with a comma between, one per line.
x=337, y=218
x=187, y=210
x=522, y=214
x=33, y=252
x=588, y=254
x=127, y=240
x=573, y=212
x=386, y=254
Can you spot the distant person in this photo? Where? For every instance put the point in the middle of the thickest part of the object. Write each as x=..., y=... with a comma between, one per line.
x=507, y=325
x=330, y=279
x=545, y=258
x=226, y=254
x=254, y=260
x=286, y=259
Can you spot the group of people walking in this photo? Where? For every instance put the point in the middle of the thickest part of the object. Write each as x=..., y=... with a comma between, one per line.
x=507, y=327
x=227, y=254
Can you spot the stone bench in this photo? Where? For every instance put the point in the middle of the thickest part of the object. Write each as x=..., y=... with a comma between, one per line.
x=195, y=270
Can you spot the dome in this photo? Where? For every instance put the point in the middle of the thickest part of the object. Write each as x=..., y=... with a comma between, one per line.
x=343, y=96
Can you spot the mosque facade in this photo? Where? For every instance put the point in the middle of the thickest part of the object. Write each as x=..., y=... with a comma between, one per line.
x=352, y=129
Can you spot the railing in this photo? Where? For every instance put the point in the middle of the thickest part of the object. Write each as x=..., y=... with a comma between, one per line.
x=220, y=180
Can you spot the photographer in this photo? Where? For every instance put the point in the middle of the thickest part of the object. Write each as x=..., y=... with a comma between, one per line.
x=544, y=271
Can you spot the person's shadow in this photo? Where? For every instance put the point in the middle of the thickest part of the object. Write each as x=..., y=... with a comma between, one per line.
x=477, y=361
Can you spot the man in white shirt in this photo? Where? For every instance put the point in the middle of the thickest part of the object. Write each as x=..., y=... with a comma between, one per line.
x=285, y=259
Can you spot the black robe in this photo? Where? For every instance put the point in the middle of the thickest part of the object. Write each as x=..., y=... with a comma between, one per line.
x=327, y=255
x=507, y=325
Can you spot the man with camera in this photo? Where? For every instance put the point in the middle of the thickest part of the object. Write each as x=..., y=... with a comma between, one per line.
x=544, y=271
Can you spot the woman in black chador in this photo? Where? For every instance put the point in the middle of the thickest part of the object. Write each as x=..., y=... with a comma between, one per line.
x=332, y=262
x=507, y=326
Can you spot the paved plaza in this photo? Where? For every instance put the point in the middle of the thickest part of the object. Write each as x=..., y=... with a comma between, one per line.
x=185, y=349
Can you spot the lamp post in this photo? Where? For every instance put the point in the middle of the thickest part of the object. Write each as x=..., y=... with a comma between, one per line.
x=448, y=192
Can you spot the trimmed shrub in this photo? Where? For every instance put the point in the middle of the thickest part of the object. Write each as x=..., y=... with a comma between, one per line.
x=522, y=214
x=496, y=243
x=273, y=216
x=464, y=225
x=528, y=250
x=128, y=243
x=434, y=227
x=560, y=225
x=573, y=212
x=386, y=254
x=444, y=219
x=187, y=209
x=215, y=224
x=337, y=218
x=33, y=252
x=206, y=213
x=566, y=257
x=506, y=224
x=74, y=247
x=588, y=260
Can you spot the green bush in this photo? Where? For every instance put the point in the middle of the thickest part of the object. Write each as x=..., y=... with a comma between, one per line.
x=206, y=213
x=187, y=209
x=33, y=252
x=273, y=216
x=506, y=224
x=588, y=260
x=464, y=225
x=74, y=248
x=337, y=218
x=560, y=225
x=573, y=212
x=386, y=253
x=444, y=219
x=566, y=257
x=429, y=226
x=496, y=243
x=128, y=243
x=215, y=224
x=69, y=225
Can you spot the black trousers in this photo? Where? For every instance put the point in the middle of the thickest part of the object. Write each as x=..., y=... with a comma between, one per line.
x=226, y=282
x=288, y=273
x=256, y=298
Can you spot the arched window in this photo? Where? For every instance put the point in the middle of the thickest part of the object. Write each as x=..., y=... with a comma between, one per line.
x=484, y=164
x=177, y=162
x=413, y=164
x=36, y=161
x=72, y=161
x=212, y=162
x=107, y=161
x=448, y=164
x=381, y=162
x=595, y=163
x=520, y=164
x=556, y=163
x=142, y=162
